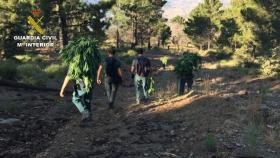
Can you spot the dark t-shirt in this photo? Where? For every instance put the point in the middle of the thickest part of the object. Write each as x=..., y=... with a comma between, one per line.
x=111, y=69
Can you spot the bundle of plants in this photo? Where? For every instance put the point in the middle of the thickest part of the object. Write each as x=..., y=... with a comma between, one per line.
x=151, y=85
x=164, y=61
x=186, y=64
x=83, y=58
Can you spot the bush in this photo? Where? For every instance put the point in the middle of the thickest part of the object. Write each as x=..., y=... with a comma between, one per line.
x=37, y=58
x=164, y=60
x=131, y=53
x=8, y=69
x=219, y=55
x=271, y=66
x=210, y=143
x=55, y=70
x=23, y=58
x=31, y=74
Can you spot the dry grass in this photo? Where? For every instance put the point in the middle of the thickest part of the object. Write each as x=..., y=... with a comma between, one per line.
x=272, y=138
x=166, y=92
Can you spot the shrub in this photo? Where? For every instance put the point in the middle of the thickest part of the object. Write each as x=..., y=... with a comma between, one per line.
x=31, y=74
x=243, y=53
x=23, y=58
x=253, y=136
x=55, y=70
x=164, y=60
x=210, y=143
x=8, y=69
x=37, y=58
x=131, y=53
x=271, y=66
x=219, y=55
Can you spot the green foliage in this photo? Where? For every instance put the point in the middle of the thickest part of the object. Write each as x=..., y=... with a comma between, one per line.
x=219, y=55
x=178, y=19
x=131, y=53
x=83, y=58
x=165, y=34
x=151, y=86
x=270, y=66
x=13, y=14
x=31, y=74
x=200, y=29
x=55, y=70
x=186, y=64
x=164, y=60
x=202, y=25
x=228, y=29
x=30, y=58
x=8, y=69
x=37, y=58
x=210, y=143
x=143, y=18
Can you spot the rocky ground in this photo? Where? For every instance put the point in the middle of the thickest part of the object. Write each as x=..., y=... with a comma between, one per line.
x=229, y=114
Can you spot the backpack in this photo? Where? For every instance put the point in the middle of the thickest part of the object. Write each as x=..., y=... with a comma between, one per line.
x=143, y=66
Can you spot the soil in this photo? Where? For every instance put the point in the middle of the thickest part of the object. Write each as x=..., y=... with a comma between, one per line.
x=224, y=103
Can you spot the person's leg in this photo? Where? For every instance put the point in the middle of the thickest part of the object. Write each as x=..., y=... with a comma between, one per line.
x=189, y=83
x=113, y=93
x=87, y=100
x=137, y=83
x=181, y=85
x=107, y=88
x=77, y=100
x=145, y=87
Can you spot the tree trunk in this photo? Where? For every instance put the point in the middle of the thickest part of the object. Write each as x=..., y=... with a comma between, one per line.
x=149, y=42
x=209, y=45
x=158, y=42
x=63, y=24
x=117, y=39
x=136, y=32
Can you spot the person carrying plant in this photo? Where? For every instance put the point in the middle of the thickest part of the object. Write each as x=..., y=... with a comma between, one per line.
x=113, y=77
x=84, y=62
x=184, y=70
x=141, y=68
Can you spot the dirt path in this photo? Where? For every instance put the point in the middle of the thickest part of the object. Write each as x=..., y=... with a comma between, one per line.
x=222, y=104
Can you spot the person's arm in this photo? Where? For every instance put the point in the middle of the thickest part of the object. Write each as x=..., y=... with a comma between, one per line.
x=132, y=70
x=120, y=72
x=98, y=81
x=65, y=83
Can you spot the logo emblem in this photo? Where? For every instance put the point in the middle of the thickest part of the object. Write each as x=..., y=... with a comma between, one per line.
x=35, y=24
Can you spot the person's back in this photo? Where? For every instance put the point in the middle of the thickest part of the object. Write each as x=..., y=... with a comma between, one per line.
x=142, y=65
x=111, y=69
